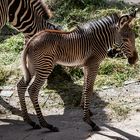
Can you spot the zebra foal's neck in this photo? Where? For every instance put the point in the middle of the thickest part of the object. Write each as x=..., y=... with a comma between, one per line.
x=103, y=30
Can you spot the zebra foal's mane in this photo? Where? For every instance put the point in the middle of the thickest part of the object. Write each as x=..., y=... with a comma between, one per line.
x=110, y=19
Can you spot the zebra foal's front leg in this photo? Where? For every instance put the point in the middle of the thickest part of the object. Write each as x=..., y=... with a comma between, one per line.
x=33, y=92
x=82, y=102
x=90, y=72
x=21, y=88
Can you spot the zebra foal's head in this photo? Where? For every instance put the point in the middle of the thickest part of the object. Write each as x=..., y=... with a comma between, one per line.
x=127, y=37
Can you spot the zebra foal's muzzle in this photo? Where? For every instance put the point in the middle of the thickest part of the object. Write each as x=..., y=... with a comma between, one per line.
x=132, y=60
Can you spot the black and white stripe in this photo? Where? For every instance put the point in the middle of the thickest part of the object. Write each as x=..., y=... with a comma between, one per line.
x=27, y=16
x=85, y=46
x=3, y=12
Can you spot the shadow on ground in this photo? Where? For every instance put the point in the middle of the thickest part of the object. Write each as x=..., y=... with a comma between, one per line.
x=70, y=123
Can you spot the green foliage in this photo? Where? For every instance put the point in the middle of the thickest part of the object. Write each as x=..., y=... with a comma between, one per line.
x=137, y=26
x=120, y=110
x=72, y=12
x=9, y=74
x=107, y=68
x=115, y=72
x=3, y=74
x=75, y=73
x=12, y=44
x=9, y=57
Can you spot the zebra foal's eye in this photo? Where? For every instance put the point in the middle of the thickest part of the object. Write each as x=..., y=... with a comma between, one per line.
x=125, y=39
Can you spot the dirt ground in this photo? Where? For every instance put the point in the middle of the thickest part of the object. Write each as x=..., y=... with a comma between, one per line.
x=108, y=107
x=137, y=2
x=116, y=111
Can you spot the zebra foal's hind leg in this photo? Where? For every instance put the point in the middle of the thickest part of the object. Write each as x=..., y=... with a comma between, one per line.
x=33, y=92
x=21, y=88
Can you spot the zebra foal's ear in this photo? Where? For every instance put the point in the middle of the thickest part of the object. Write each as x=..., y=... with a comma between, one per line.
x=123, y=20
x=126, y=19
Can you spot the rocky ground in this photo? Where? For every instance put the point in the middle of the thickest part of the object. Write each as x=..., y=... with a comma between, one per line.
x=116, y=111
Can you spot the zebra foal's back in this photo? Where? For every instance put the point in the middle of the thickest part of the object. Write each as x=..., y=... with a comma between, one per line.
x=69, y=48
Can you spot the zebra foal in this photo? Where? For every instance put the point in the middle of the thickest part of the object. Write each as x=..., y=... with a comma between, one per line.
x=86, y=46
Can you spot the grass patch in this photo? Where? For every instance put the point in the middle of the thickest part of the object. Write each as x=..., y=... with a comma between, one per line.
x=119, y=110
x=69, y=13
x=9, y=59
x=12, y=44
x=115, y=72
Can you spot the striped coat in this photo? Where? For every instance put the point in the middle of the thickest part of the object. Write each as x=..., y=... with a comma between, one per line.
x=85, y=46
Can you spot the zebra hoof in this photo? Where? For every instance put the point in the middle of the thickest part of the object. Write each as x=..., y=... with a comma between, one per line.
x=36, y=126
x=90, y=113
x=96, y=128
x=54, y=129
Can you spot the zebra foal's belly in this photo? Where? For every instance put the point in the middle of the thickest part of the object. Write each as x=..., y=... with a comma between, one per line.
x=71, y=63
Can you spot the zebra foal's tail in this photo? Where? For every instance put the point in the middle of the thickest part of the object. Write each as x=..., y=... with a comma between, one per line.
x=25, y=69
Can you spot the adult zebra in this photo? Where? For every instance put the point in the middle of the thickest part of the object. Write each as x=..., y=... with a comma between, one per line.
x=85, y=46
x=27, y=16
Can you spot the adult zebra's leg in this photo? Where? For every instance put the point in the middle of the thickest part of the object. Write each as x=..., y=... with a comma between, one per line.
x=21, y=88
x=90, y=72
x=33, y=92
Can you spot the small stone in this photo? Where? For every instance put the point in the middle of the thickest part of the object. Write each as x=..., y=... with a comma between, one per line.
x=7, y=91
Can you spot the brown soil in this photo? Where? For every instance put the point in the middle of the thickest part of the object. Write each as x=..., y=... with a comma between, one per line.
x=116, y=111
